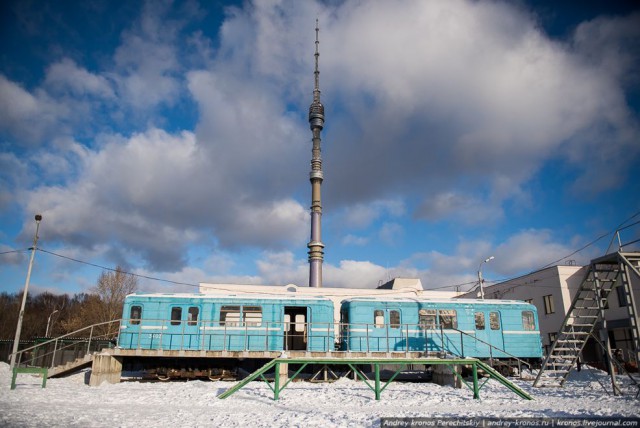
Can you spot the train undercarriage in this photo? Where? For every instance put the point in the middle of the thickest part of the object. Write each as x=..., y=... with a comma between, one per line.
x=232, y=369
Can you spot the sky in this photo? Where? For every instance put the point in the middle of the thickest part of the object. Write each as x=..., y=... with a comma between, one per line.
x=172, y=139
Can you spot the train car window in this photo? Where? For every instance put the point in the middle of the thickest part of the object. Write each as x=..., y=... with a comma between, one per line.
x=394, y=319
x=494, y=320
x=192, y=315
x=448, y=318
x=378, y=318
x=427, y=318
x=176, y=315
x=528, y=321
x=252, y=315
x=479, y=320
x=136, y=314
x=230, y=316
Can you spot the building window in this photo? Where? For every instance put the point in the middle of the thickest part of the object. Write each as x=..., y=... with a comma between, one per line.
x=192, y=315
x=479, y=320
x=427, y=318
x=252, y=315
x=230, y=316
x=549, y=305
x=528, y=321
x=494, y=320
x=378, y=318
x=394, y=319
x=136, y=314
x=622, y=296
x=176, y=315
x=603, y=298
x=448, y=318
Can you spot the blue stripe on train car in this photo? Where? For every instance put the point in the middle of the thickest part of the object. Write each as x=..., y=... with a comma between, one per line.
x=226, y=323
x=466, y=328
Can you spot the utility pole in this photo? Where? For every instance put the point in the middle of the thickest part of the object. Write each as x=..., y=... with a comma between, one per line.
x=480, y=280
x=16, y=341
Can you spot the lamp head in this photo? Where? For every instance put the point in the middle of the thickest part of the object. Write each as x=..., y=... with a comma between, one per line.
x=38, y=217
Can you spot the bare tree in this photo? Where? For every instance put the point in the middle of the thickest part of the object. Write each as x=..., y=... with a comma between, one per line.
x=112, y=288
x=103, y=303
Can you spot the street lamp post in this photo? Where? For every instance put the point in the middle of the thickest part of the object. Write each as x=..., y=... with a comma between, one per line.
x=48, y=321
x=480, y=275
x=24, y=296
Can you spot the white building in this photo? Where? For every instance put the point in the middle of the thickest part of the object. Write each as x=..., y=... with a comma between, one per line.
x=552, y=290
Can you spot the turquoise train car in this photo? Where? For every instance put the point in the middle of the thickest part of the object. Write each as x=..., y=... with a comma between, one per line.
x=208, y=322
x=462, y=328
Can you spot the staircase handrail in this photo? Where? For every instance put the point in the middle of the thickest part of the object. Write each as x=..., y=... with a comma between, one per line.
x=493, y=347
x=91, y=327
x=617, y=234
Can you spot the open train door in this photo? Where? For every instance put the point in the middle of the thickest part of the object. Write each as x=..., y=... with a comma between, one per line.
x=295, y=328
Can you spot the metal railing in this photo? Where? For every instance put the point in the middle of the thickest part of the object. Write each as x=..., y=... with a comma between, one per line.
x=37, y=355
x=205, y=335
x=321, y=337
x=617, y=235
x=492, y=348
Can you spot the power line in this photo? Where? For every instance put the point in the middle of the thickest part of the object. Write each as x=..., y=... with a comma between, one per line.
x=554, y=262
x=14, y=251
x=430, y=289
x=594, y=241
x=116, y=270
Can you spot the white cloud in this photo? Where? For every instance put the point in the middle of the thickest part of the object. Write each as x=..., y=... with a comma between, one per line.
x=447, y=107
x=146, y=63
x=468, y=209
x=362, y=215
x=28, y=117
x=611, y=43
x=453, y=92
x=67, y=76
x=533, y=249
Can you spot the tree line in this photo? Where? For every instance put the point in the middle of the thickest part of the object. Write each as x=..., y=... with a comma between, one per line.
x=63, y=314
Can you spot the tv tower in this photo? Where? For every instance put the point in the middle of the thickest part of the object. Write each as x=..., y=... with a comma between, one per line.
x=316, y=122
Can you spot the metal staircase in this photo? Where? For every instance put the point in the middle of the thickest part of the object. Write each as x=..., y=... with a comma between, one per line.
x=585, y=316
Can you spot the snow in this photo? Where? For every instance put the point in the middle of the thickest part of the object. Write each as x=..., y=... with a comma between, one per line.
x=69, y=402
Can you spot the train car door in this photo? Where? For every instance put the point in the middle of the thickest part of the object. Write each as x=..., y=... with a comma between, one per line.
x=295, y=328
x=396, y=340
x=494, y=333
x=191, y=335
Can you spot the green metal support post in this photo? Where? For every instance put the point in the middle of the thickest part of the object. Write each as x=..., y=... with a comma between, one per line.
x=476, y=391
x=377, y=388
x=30, y=370
x=377, y=374
x=276, y=380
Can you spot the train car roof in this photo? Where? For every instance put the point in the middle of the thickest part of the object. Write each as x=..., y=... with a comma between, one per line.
x=262, y=296
x=426, y=300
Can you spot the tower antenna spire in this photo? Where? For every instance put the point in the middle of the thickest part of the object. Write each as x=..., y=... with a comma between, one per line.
x=316, y=123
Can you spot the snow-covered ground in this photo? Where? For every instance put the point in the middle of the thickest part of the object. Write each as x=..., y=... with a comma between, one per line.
x=69, y=402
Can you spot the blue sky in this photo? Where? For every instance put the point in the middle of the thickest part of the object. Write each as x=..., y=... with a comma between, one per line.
x=171, y=138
